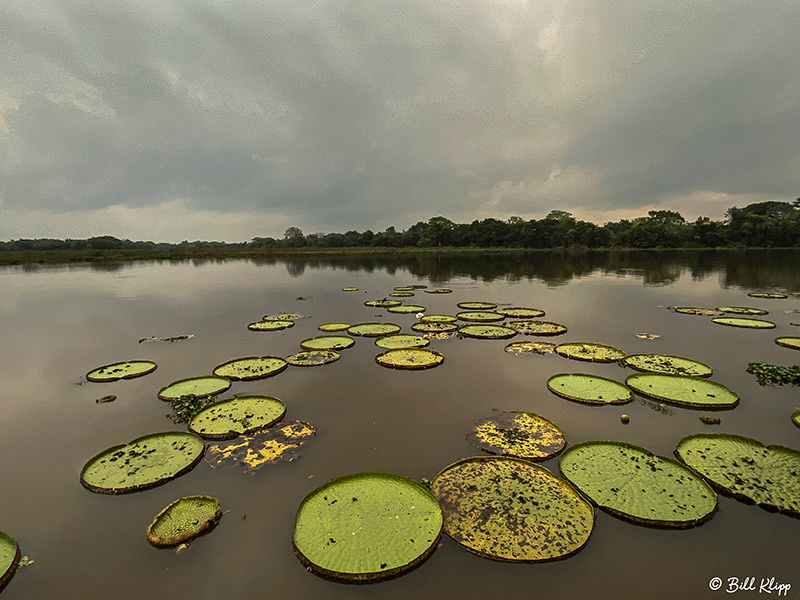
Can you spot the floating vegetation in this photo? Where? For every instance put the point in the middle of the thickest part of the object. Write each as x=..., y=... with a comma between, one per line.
x=521, y=312
x=693, y=392
x=632, y=483
x=251, y=367
x=330, y=327
x=438, y=319
x=410, y=358
x=270, y=325
x=383, y=303
x=590, y=352
x=405, y=309
x=434, y=326
x=313, y=358
x=9, y=558
x=693, y=310
x=519, y=434
x=233, y=417
x=796, y=418
x=174, y=338
x=401, y=294
x=266, y=448
x=195, y=386
x=477, y=305
x=349, y=289
x=768, y=374
x=667, y=364
x=367, y=526
x=373, y=329
x=402, y=340
x=144, y=463
x=511, y=509
x=767, y=295
x=184, y=520
x=404, y=288
x=742, y=310
x=710, y=420
x=328, y=342
x=546, y=328
x=480, y=316
x=439, y=291
x=743, y=468
x=283, y=317
x=185, y=407
x=484, y=332
x=589, y=389
x=104, y=399
x=121, y=370
x=788, y=342
x=647, y=336
x=530, y=348
x=742, y=322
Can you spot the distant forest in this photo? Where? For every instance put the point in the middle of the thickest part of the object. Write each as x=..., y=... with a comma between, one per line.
x=764, y=224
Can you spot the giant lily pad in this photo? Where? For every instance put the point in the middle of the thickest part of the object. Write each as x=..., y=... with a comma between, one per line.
x=268, y=447
x=434, y=327
x=121, y=370
x=313, y=358
x=373, y=329
x=194, y=386
x=366, y=527
x=283, y=317
x=144, y=463
x=9, y=558
x=745, y=469
x=511, y=509
x=251, y=367
x=796, y=418
x=480, y=316
x=401, y=294
x=742, y=322
x=270, y=325
x=693, y=392
x=410, y=358
x=521, y=312
x=788, y=342
x=742, y=310
x=243, y=415
x=486, y=332
x=477, y=305
x=634, y=484
x=527, y=347
x=405, y=309
x=403, y=288
x=538, y=327
x=402, y=340
x=438, y=319
x=383, y=303
x=664, y=363
x=184, y=520
x=590, y=352
x=767, y=295
x=439, y=291
x=327, y=342
x=329, y=327
x=589, y=389
x=520, y=434
x=693, y=310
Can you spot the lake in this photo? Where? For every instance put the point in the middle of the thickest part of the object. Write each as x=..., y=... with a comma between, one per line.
x=59, y=322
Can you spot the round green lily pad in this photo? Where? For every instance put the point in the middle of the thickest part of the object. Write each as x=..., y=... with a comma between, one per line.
x=693, y=310
x=796, y=418
x=487, y=332
x=438, y=319
x=511, y=509
x=349, y=289
x=547, y=328
x=195, y=386
x=328, y=342
x=410, y=358
x=366, y=527
x=434, y=327
x=232, y=417
x=9, y=558
x=589, y=389
x=742, y=322
x=480, y=316
x=283, y=317
x=121, y=370
x=330, y=327
x=373, y=329
x=144, y=463
x=590, y=352
x=403, y=288
x=520, y=434
x=384, y=303
x=402, y=340
x=251, y=367
x=439, y=291
x=313, y=358
x=743, y=310
x=527, y=347
x=477, y=305
x=632, y=483
x=270, y=325
x=401, y=294
x=743, y=468
x=405, y=309
x=767, y=295
x=788, y=342
x=664, y=363
x=184, y=520
x=681, y=390
x=520, y=312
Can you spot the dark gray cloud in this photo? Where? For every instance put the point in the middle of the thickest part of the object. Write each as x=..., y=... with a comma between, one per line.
x=339, y=115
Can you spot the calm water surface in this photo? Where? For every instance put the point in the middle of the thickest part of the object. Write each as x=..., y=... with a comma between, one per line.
x=57, y=323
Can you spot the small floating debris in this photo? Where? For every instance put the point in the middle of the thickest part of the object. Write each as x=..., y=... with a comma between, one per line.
x=121, y=370
x=174, y=338
x=184, y=520
x=624, y=419
x=104, y=399
x=710, y=420
x=647, y=336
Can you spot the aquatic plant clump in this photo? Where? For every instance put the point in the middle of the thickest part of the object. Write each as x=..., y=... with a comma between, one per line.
x=313, y=358
x=280, y=443
x=632, y=483
x=434, y=327
x=232, y=417
x=742, y=310
x=121, y=370
x=402, y=340
x=519, y=434
x=250, y=368
x=9, y=558
x=384, y=303
x=328, y=342
x=270, y=325
x=477, y=305
x=373, y=329
x=667, y=364
x=590, y=352
x=768, y=374
x=521, y=312
x=486, y=332
x=544, y=328
x=331, y=327
x=788, y=342
x=743, y=468
x=282, y=317
x=184, y=520
x=693, y=310
x=410, y=358
x=693, y=392
x=742, y=322
x=530, y=348
x=511, y=509
x=195, y=386
x=144, y=463
x=589, y=389
x=366, y=527
x=405, y=309
x=480, y=316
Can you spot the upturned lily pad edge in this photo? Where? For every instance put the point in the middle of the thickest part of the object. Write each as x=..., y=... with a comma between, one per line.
x=12, y=568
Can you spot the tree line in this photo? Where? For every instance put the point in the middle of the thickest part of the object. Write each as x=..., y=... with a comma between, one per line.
x=763, y=224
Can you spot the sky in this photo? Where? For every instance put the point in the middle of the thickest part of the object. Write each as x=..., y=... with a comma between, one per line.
x=225, y=120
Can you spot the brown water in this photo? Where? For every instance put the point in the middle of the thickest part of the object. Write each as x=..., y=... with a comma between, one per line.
x=57, y=323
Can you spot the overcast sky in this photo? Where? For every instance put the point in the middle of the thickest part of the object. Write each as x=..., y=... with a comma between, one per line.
x=213, y=119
